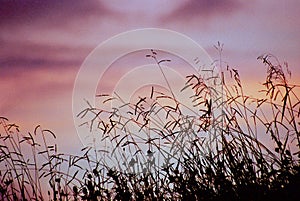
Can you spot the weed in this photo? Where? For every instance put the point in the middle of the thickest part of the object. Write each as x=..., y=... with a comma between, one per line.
x=158, y=148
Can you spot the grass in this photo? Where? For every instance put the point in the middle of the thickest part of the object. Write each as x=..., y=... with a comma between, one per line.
x=159, y=148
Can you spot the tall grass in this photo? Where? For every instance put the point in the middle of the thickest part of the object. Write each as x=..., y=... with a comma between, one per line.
x=227, y=146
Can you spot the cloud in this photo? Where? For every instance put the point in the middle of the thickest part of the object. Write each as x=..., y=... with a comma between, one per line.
x=205, y=9
x=23, y=56
x=28, y=12
x=18, y=63
x=28, y=87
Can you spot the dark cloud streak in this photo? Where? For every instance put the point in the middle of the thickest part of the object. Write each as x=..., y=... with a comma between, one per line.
x=25, y=63
x=21, y=56
x=206, y=9
x=19, y=12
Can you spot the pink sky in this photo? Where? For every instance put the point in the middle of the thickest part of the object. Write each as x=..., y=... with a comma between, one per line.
x=43, y=44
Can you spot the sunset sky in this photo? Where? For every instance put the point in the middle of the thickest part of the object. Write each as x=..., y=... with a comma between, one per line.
x=44, y=43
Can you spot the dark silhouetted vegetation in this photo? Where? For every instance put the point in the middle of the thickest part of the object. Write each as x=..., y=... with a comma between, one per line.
x=228, y=146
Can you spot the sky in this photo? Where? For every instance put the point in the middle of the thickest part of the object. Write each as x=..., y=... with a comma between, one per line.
x=43, y=45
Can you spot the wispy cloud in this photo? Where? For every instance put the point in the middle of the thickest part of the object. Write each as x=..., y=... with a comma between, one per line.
x=53, y=11
x=18, y=56
x=205, y=9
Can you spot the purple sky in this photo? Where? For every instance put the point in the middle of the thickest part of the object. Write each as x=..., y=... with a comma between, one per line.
x=43, y=44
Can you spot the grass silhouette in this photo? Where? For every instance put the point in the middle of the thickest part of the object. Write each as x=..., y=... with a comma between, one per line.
x=159, y=148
